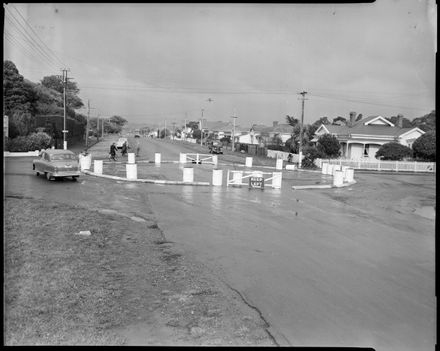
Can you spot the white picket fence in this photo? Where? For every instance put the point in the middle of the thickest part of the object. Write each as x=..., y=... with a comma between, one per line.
x=396, y=166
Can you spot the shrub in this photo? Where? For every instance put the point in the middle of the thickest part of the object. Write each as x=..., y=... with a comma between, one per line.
x=328, y=146
x=32, y=142
x=310, y=153
x=424, y=147
x=393, y=151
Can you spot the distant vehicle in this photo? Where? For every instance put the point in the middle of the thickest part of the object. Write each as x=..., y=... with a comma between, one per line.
x=121, y=142
x=215, y=147
x=137, y=133
x=55, y=163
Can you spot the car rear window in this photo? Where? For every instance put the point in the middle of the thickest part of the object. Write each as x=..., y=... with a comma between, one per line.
x=60, y=157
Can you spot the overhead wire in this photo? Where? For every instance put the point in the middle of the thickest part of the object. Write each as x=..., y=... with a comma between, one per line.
x=38, y=37
x=30, y=45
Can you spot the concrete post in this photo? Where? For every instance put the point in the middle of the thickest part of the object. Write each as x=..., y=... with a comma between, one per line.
x=324, y=168
x=97, y=167
x=131, y=157
x=248, y=161
x=131, y=169
x=237, y=177
x=276, y=181
x=338, y=178
x=188, y=174
x=157, y=158
x=182, y=158
x=215, y=160
x=279, y=164
x=349, y=175
x=217, y=177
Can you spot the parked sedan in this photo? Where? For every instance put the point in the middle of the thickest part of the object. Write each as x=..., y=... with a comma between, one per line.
x=55, y=163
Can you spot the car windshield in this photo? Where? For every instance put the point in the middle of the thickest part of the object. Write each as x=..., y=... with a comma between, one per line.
x=60, y=157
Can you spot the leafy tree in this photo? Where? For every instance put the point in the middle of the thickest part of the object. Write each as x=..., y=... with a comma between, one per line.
x=193, y=125
x=73, y=101
x=406, y=123
x=393, y=151
x=310, y=154
x=292, y=120
x=197, y=134
x=424, y=146
x=328, y=146
x=322, y=120
x=164, y=133
x=339, y=121
x=14, y=92
x=426, y=122
x=118, y=120
x=21, y=123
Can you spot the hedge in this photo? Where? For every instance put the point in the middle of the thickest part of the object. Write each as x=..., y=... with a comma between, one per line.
x=32, y=142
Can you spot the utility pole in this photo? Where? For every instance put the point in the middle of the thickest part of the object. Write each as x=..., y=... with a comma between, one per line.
x=165, y=130
x=64, y=103
x=184, y=126
x=201, y=130
x=87, y=125
x=174, y=130
x=97, y=127
x=303, y=93
x=233, y=132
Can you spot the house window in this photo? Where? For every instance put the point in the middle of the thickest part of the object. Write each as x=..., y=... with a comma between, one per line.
x=366, y=150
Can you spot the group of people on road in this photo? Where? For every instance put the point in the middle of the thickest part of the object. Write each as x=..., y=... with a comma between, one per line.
x=124, y=150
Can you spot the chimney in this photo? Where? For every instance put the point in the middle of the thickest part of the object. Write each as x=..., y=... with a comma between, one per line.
x=352, y=118
x=400, y=120
x=275, y=123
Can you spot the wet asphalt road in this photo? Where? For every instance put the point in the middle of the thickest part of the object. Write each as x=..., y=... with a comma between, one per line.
x=338, y=267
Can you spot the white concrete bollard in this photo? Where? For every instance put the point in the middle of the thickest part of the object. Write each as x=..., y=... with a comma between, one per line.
x=182, y=158
x=349, y=175
x=276, y=181
x=248, y=161
x=131, y=157
x=85, y=162
x=188, y=174
x=324, y=168
x=157, y=158
x=237, y=177
x=336, y=168
x=338, y=178
x=290, y=167
x=217, y=177
x=215, y=160
x=279, y=164
x=131, y=169
x=97, y=167
x=330, y=169
x=344, y=171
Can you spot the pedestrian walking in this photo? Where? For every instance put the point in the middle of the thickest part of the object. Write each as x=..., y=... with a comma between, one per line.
x=113, y=152
x=124, y=149
x=137, y=148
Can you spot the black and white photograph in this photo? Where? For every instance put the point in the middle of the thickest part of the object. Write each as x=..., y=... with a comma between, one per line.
x=220, y=174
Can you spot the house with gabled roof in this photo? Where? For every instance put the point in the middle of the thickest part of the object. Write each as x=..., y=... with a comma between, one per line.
x=362, y=139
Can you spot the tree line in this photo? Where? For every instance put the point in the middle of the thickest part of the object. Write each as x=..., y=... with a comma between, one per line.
x=38, y=107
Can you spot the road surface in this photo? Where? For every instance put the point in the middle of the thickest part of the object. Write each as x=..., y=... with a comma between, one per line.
x=338, y=267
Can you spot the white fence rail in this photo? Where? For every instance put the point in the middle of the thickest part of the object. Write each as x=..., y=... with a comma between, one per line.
x=396, y=166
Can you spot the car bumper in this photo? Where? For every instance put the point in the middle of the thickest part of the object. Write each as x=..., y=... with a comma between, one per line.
x=66, y=174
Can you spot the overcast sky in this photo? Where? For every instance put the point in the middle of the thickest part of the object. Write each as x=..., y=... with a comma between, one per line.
x=154, y=62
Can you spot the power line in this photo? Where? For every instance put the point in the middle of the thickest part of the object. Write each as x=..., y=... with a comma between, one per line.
x=28, y=39
x=37, y=36
x=29, y=44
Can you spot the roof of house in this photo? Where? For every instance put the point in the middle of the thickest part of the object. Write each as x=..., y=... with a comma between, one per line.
x=363, y=127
